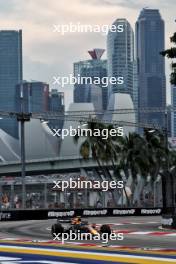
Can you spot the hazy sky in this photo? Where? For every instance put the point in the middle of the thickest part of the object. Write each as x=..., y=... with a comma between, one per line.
x=46, y=53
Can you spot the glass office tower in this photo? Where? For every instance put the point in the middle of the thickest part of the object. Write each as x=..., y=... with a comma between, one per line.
x=36, y=97
x=56, y=105
x=96, y=67
x=120, y=54
x=151, y=65
x=10, y=75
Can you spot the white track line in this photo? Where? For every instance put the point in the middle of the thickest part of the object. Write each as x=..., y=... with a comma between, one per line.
x=150, y=258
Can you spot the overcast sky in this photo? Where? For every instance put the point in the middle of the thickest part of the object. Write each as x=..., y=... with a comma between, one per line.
x=46, y=53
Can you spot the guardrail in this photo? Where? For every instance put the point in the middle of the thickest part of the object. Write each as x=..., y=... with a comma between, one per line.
x=41, y=214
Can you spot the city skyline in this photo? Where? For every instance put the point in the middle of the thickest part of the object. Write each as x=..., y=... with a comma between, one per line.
x=45, y=51
x=87, y=131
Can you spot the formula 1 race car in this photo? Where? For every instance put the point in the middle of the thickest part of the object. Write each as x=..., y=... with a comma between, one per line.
x=78, y=226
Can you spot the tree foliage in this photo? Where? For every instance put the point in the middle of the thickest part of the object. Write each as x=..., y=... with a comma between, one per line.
x=145, y=155
x=171, y=54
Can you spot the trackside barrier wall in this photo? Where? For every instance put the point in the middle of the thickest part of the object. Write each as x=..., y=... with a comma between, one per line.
x=39, y=214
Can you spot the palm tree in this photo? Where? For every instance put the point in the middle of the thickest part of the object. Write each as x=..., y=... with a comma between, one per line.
x=118, y=153
x=167, y=176
x=171, y=54
x=156, y=148
x=140, y=155
x=155, y=144
x=103, y=151
x=134, y=157
x=93, y=145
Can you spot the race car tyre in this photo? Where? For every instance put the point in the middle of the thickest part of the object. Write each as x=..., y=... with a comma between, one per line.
x=57, y=229
x=105, y=229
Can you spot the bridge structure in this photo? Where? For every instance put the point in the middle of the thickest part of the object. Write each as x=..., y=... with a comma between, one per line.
x=48, y=166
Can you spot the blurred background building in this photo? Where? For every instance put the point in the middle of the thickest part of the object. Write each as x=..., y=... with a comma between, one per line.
x=35, y=97
x=56, y=105
x=96, y=67
x=150, y=41
x=89, y=93
x=120, y=54
x=11, y=74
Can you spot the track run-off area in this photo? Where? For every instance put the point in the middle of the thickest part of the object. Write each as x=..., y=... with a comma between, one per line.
x=144, y=242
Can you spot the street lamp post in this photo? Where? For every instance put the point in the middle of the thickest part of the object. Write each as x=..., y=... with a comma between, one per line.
x=23, y=159
x=22, y=118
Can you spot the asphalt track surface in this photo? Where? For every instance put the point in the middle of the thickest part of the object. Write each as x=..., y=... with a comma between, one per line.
x=144, y=242
x=142, y=232
x=21, y=253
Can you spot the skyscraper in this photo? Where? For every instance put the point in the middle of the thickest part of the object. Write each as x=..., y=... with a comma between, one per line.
x=56, y=101
x=10, y=75
x=151, y=65
x=88, y=93
x=120, y=54
x=36, y=97
x=96, y=67
x=56, y=104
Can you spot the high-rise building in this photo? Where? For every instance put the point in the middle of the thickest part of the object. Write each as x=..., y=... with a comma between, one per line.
x=35, y=97
x=96, y=67
x=56, y=104
x=10, y=75
x=56, y=101
x=135, y=87
x=120, y=55
x=151, y=65
x=88, y=93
